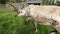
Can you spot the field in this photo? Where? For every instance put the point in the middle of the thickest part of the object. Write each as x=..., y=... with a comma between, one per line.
x=10, y=23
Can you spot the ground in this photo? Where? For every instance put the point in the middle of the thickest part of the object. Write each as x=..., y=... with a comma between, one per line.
x=10, y=23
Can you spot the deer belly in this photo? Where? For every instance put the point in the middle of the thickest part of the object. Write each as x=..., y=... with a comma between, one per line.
x=40, y=19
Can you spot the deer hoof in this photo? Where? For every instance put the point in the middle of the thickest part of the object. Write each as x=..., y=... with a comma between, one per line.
x=36, y=31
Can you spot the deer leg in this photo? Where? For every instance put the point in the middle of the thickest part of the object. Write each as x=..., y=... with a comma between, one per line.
x=53, y=31
x=27, y=20
x=35, y=25
x=25, y=24
x=58, y=28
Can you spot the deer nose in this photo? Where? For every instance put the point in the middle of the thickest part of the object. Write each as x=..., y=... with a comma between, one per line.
x=18, y=15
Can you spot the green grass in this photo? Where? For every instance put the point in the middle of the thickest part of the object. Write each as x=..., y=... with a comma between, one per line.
x=10, y=23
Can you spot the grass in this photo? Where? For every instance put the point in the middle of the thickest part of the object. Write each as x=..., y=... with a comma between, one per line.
x=10, y=23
